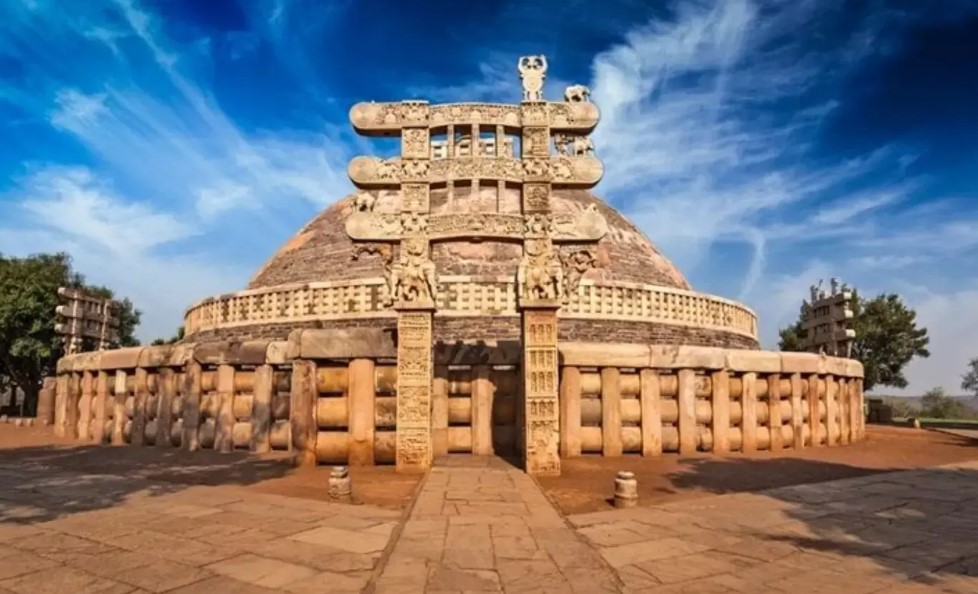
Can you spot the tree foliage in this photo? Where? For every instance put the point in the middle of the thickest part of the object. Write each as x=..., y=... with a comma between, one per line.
x=887, y=338
x=29, y=346
x=969, y=381
x=937, y=404
x=172, y=340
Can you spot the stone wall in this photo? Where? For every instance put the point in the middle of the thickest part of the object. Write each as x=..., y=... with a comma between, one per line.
x=330, y=397
x=497, y=328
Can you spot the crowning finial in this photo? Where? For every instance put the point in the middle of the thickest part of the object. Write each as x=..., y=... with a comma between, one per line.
x=533, y=69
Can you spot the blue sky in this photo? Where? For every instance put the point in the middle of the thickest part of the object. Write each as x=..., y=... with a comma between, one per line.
x=172, y=145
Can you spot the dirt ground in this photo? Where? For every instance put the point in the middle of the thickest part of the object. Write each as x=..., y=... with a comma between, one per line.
x=587, y=483
x=273, y=473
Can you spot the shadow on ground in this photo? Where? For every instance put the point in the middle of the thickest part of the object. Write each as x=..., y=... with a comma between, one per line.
x=46, y=482
x=916, y=524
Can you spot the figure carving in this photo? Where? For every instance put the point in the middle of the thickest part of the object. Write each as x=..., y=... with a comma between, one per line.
x=570, y=145
x=576, y=264
x=413, y=277
x=364, y=202
x=416, y=169
x=577, y=94
x=538, y=225
x=414, y=223
x=540, y=275
x=535, y=167
x=387, y=169
x=533, y=69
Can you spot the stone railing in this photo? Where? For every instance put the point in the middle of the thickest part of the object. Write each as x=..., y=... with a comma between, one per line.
x=649, y=400
x=330, y=397
x=461, y=296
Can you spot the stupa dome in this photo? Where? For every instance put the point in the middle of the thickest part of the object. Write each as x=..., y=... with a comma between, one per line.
x=320, y=278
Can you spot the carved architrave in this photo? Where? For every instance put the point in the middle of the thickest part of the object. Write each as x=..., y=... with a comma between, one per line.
x=476, y=225
x=371, y=172
x=387, y=118
x=415, y=143
x=414, y=113
x=587, y=225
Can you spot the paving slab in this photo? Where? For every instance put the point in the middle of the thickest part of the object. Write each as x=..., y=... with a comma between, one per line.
x=481, y=525
x=891, y=532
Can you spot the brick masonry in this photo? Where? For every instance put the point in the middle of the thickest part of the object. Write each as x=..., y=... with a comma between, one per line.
x=507, y=328
x=322, y=250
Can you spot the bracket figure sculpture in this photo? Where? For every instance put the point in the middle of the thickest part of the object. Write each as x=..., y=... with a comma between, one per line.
x=386, y=253
x=575, y=265
x=533, y=70
x=413, y=277
x=540, y=276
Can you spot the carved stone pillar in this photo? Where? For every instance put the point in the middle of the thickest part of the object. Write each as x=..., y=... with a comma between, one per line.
x=414, y=384
x=539, y=282
x=542, y=422
x=414, y=301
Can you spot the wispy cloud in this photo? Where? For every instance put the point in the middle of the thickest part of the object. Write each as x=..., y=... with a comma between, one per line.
x=167, y=154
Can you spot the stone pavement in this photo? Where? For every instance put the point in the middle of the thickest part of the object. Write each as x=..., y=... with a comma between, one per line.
x=902, y=532
x=479, y=525
x=485, y=526
x=130, y=534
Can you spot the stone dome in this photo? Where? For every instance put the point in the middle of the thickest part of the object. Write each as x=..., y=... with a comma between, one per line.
x=322, y=250
x=321, y=278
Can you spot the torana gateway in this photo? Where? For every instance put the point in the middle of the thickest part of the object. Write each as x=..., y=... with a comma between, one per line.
x=472, y=296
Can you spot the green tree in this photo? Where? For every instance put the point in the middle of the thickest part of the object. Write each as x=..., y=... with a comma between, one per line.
x=969, y=381
x=172, y=340
x=887, y=338
x=938, y=405
x=29, y=346
x=791, y=337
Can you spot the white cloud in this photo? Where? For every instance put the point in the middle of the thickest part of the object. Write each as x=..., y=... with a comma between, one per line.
x=75, y=109
x=115, y=241
x=72, y=201
x=709, y=124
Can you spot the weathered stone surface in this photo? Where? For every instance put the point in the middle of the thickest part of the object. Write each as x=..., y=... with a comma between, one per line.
x=348, y=343
x=684, y=357
x=756, y=361
x=121, y=358
x=250, y=352
x=802, y=363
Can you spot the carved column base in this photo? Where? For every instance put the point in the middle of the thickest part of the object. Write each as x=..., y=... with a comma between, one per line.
x=414, y=383
x=541, y=411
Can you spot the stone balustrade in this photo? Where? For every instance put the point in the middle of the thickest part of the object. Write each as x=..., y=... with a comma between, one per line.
x=461, y=296
x=330, y=397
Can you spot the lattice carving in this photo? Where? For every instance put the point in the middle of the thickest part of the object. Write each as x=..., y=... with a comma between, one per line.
x=462, y=296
